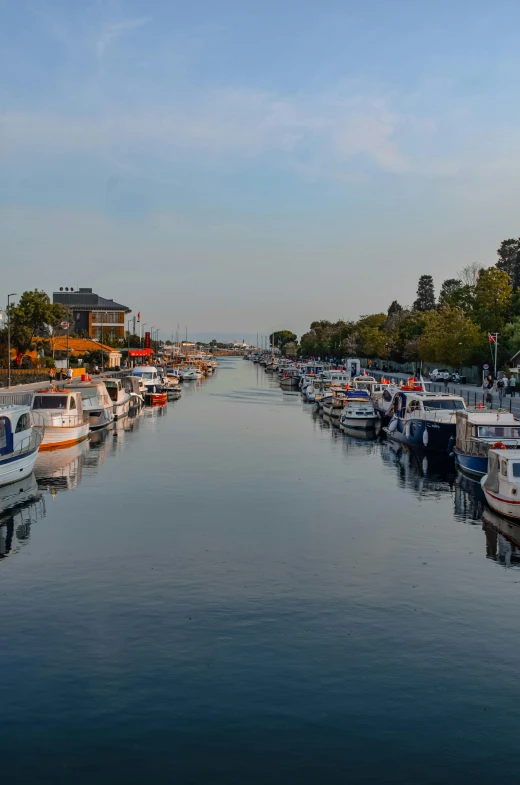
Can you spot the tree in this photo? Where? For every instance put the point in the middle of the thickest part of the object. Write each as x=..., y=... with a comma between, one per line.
x=468, y=276
x=450, y=337
x=425, y=294
x=34, y=316
x=493, y=294
x=449, y=290
x=509, y=260
x=394, y=307
x=281, y=337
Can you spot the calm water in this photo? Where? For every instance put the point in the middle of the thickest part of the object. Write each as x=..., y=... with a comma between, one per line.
x=233, y=592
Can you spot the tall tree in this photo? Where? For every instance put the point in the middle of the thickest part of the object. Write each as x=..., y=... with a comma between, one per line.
x=450, y=337
x=33, y=317
x=509, y=260
x=468, y=276
x=493, y=295
x=425, y=294
x=449, y=290
x=394, y=307
x=281, y=337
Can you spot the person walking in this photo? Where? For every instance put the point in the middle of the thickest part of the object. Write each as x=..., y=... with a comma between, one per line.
x=512, y=385
x=446, y=378
x=488, y=389
x=52, y=374
x=69, y=374
x=501, y=389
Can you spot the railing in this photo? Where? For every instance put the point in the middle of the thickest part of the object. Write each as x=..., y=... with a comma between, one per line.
x=57, y=418
x=27, y=444
x=16, y=399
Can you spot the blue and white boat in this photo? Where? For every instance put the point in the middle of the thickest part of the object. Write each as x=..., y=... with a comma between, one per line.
x=19, y=443
x=424, y=419
x=477, y=431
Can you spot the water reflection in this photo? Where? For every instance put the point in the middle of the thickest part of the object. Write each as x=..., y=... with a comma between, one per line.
x=21, y=504
x=502, y=539
x=61, y=470
x=423, y=474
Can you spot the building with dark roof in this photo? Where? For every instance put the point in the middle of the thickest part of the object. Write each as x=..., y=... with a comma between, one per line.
x=91, y=314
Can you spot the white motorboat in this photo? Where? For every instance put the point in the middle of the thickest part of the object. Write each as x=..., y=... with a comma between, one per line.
x=61, y=414
x=96, y=403
x=19, y=443
x=334, y=402
x=171, y=377
x=422, y=419
x=358, y=412
x=119, y=397
x=135, y=388
x=501, y=484
x=189, y=374
x=148, y=374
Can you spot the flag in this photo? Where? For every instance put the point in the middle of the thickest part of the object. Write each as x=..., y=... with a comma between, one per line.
x=491, y=338
x=139, y=316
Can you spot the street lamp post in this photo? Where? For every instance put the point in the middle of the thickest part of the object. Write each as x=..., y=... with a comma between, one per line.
x=129, y=333
x=460, y=358
x=13, y=294
x=103, y=317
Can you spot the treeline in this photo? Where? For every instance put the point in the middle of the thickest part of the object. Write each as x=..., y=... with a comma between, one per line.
x=451, y=329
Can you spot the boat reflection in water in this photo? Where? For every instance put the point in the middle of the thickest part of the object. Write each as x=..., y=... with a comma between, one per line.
x=61, y=470
x=425, y=474
x=502, y=539
x=21, y=505
x=98, y=446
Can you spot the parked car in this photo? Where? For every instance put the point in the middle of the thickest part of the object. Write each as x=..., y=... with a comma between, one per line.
x=438, y=374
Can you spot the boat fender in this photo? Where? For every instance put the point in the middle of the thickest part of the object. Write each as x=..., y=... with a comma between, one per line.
x=499, y=446
x=425, y=437
x=392, y=425
x=451, y=442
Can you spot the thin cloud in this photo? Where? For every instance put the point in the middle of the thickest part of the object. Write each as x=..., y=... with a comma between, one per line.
x=114, y=31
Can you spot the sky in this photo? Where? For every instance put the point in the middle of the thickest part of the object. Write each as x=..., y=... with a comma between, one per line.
x=239, y=167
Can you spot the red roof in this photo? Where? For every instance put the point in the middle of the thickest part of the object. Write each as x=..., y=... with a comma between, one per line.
x=140, y=352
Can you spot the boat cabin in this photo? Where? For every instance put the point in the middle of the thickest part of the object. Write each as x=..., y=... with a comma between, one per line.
x=16, y=430
x=503, y=476
x=477, y=430
x=148, y=373
x=53, y=408
x=424, y=404
x=114, y=389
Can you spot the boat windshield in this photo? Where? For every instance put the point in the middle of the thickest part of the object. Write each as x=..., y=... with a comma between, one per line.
x=516, y=469
x=441, y=403
x=50, y=402
x=498, y=432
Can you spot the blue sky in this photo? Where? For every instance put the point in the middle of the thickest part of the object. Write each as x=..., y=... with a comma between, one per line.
x=242, y=166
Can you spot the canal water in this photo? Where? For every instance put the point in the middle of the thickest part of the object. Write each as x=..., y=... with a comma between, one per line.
x=232, y=591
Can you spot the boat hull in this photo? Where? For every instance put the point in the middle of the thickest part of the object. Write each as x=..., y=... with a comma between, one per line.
x=509, y=508
x=432, y=437
x=121, y=409
x=55, y=437
x=100, y=418
x=17, y=468
x=156, y=399
x=359, y=423
x=474, y=466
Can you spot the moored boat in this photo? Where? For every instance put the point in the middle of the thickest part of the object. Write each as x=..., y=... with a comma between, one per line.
x=358, y=412
x=119, y=397
x=423, y=419
x=61, y=414
x=19, y=443
x=477, y=431
x=501, y=484
x=96, y=403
